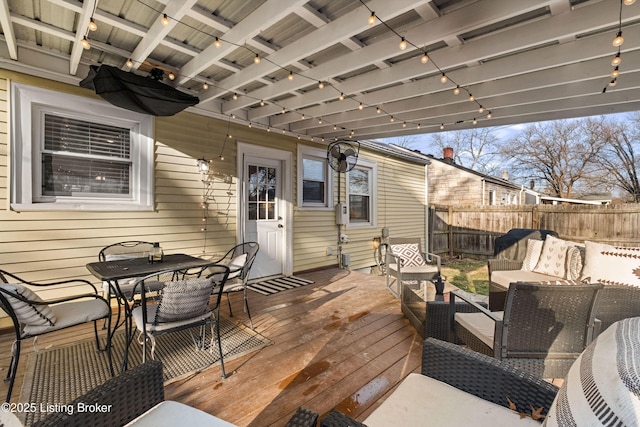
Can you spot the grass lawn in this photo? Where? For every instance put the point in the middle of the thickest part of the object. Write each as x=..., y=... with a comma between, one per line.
x=468, y=274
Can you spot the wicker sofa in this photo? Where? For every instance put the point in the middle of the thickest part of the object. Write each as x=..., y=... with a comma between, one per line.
x=459, y=387
x=616, y=267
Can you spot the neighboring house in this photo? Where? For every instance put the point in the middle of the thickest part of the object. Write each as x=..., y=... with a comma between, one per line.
x=138, y=179
x=453, y=184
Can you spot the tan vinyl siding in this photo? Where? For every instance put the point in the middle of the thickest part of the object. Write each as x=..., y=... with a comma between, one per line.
x=56, y=245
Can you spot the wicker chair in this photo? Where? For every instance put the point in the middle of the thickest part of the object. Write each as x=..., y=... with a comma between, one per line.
x=183, y=304
x=543, y=329
x=32, y=316
x=405, y=261
x=127, y=396
x=616, y=302
x=476, y=374
x=510, y=250
x=239, y=259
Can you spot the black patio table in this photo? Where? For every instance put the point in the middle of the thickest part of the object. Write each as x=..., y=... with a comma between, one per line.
x=113, y=271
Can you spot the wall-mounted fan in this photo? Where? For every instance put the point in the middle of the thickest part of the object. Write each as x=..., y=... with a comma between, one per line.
x=343, y=155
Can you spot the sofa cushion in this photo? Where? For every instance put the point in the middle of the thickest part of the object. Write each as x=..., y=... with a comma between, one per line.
x=603, y=385
x=421, y=400
x=534, y=249
x=480, y=325
x=611, y=265
x=505, y=277
x=553, y=257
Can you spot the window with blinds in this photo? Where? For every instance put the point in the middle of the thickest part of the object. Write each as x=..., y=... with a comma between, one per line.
x=85, y=158
x=71, y=152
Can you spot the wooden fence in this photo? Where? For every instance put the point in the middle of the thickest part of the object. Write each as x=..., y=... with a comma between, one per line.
x=470, y=231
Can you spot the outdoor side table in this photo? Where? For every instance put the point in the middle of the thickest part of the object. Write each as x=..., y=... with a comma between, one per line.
x=429, y=313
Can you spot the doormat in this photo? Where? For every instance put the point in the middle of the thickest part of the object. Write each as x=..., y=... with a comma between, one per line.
x=278, y=284
x=59, y=375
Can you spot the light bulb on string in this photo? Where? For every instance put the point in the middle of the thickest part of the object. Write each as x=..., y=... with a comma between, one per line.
x=489, y=115
x=320, y=84
x=617, y=60
x=205, y=85
x=217, y=43
x=85, y=43
x=171, y=75
x=378, y=110
x=613, y=82
x=471, y=98
x=391, y=119
x=129, y=63
x=441, y=126
x=341, y=97
x=617, y=42
x=256, y=59
x=424, y=59
x=443, y=78
x=629, y=2
x=456, y=91
x=481, y=109
x=372, y=19
x=403, y=44
x=360, y=106
x=615, y=73
x=261, y=103
x=290, y=75
x=165, y=20
x=404, y=124
x=92, y=25
x=235, y=96
x=475, y=121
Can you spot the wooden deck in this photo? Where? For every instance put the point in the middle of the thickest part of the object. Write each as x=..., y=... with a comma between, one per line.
x=339, y=343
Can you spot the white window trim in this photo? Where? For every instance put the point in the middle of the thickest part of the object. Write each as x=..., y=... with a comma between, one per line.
x=373, y=188
x=27, y=101
x=309, y=152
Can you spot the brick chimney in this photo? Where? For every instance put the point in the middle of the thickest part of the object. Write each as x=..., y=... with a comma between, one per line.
x=447, y=154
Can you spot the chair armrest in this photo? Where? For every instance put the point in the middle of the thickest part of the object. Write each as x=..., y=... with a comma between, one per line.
x=338, y=419
x=457, y=294
x=486, y=377
x=496, y=264
x=434, y=257
x=124, y=398
x=4, y=274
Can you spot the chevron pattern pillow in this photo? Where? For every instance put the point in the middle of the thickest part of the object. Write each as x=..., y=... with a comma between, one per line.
x=409, y=253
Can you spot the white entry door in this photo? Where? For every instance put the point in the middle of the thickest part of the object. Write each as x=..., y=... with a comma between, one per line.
x=264, y=214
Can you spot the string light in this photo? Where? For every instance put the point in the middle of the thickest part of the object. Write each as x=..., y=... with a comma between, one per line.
x=92, y=25
x=165, y=20
x=617, y=42
x=441, y=126
x=261, y=103
x=475, y=122
x=391, y=119
x=235, y=96
x=471, y=98
x=378, y=110
x=171, y=76
x=290, y=75
x=613, y=82
x=456, y=91
x=424, y=59
x=217, y=43
x=616, y=60
x=404, y=124
x=85, y=43
x=481, y=109
x=256, y=59
x=205, y=85
x=489, y=115
x=615, y=73
x=403, y=44
x=372, y=19
x=321, y=84
x=629, y=2
x=361, y=106
x=341, y=97
x=129, y=63
x=443, y=78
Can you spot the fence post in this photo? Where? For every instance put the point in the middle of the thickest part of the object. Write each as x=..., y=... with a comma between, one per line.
x=535, y=217
x=449, y=220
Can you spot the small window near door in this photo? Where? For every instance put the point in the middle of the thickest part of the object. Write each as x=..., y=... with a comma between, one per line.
x=314, y=184
x=261, y=193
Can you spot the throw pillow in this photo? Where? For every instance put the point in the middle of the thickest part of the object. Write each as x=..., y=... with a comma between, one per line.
x=184, y=299
x=603, y=384
x=409, y=253
x=534, y=249
x=236, y=264
x=32, y=314
x=611, y=265
x=574, y=262
x=553, y=257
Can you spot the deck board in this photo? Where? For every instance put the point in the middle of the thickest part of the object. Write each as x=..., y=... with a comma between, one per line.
x=341, y=342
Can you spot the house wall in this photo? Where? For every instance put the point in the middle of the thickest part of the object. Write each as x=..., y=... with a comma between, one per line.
x=449, y=185
x=56, y=245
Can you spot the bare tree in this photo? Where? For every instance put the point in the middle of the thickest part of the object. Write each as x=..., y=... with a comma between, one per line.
x=473, y=148
x=620, y=157
x=559, y=153
x=406, y=141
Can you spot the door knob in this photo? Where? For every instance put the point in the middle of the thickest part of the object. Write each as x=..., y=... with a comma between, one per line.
x=280, y=226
